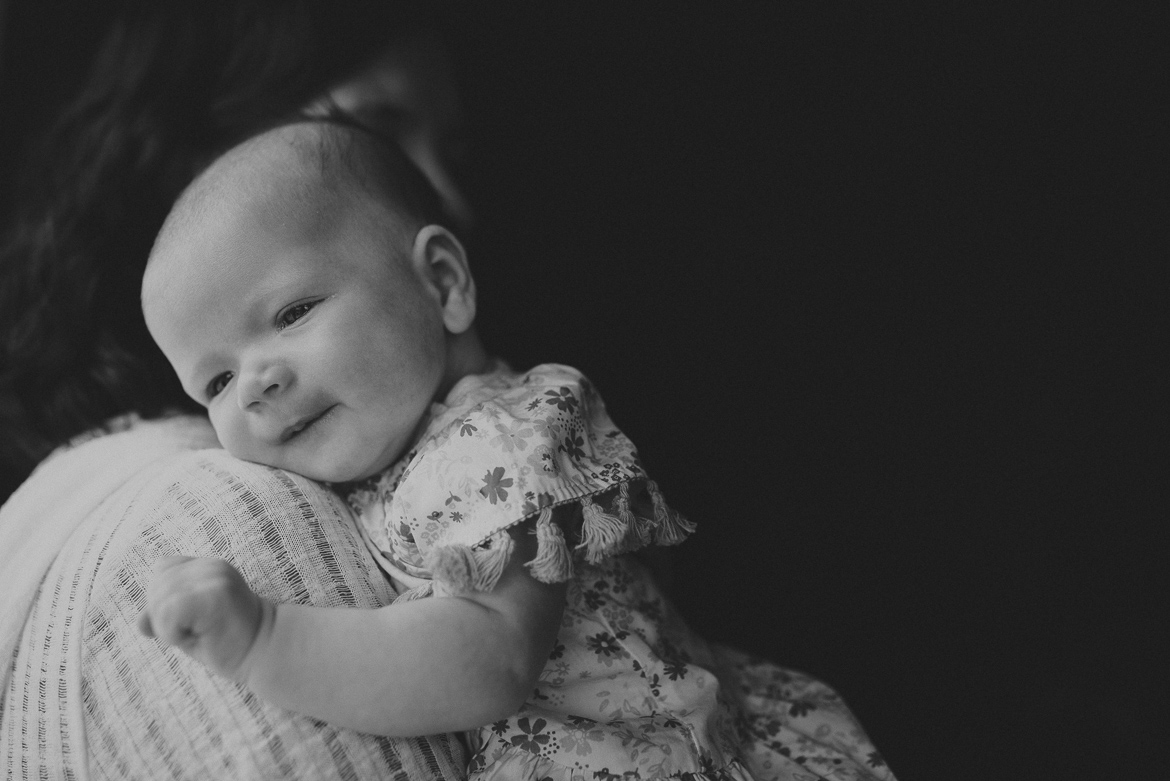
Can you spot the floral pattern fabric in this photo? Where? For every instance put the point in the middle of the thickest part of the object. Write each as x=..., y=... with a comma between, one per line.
x=503, y=448
x=629, y=692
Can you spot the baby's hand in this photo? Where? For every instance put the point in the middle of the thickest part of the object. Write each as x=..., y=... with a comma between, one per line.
x=204, y=607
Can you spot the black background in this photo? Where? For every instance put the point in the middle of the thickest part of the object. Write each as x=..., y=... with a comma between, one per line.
x=874, y=290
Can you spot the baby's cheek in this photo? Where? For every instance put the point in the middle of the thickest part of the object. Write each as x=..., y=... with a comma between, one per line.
x=232, y=434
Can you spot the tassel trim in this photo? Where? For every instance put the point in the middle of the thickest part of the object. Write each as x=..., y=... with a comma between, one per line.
x=671, y=527
x=418, y=592
x=554, y=560
x=461, y=569
x=455, y=567
x=602, y=535
x=491, y=560
x=640, y=529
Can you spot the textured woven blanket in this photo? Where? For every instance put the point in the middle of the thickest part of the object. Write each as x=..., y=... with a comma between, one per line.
x=87, y=697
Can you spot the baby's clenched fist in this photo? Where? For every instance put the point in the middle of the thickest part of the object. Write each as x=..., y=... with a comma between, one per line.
x=204, y=607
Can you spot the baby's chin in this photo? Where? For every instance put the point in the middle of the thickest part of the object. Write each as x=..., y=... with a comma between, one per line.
x=321, y=473
x=337, y=475
x=353, y=472
x=330, y=476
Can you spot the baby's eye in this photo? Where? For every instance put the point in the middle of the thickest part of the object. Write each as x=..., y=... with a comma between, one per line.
x=216, y=386
x=295, y=312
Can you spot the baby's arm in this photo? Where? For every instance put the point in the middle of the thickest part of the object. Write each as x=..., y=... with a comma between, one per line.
x=432, y=665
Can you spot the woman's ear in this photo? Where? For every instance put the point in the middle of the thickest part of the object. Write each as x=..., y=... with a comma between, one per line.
x=441, y=259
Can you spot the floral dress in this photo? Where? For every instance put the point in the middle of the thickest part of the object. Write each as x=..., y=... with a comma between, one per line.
x=629, y=692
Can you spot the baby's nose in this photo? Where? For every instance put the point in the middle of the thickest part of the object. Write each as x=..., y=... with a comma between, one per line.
x=264, y=384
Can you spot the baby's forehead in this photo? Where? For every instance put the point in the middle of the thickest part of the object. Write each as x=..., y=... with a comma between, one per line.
x=289, y=178
x=278, y=173
x=298, y=185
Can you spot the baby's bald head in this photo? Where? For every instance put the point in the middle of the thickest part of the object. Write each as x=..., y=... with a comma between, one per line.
x=305, y=172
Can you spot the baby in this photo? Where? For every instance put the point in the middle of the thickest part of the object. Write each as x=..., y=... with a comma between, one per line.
x=306, y=294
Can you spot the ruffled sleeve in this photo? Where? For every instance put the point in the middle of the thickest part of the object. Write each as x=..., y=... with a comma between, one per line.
x=509, y=447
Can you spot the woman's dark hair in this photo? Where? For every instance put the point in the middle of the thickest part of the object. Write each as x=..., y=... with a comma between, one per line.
x=172, y=85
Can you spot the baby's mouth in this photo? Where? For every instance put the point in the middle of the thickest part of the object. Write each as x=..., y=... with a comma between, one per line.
x=299, y=427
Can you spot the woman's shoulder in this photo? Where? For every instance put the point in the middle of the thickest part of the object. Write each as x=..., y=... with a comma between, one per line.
x=174, y=467
x=180, y=432
x=209, y=482
x=202, y=501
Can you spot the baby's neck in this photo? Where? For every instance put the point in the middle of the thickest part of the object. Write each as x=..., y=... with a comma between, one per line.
x=466, y=356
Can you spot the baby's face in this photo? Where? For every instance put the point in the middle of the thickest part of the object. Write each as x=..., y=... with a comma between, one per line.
x=305, y=329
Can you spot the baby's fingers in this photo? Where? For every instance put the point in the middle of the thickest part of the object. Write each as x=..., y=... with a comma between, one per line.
x=205, y=608
x=176, y=617
x=144, y=623
x=164, y=563
x=161, y=565
x=186, y=597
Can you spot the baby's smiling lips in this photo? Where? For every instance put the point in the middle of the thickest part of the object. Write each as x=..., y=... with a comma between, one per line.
x=304, y=423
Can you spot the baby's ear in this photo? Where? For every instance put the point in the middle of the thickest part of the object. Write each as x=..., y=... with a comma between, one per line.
x=443, y=262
